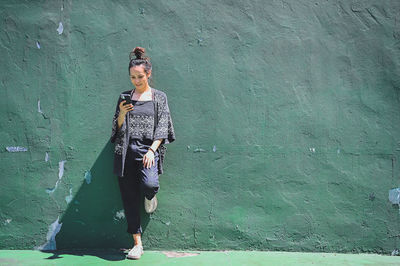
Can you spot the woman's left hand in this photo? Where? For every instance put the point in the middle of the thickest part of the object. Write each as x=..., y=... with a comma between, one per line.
x=148, y=159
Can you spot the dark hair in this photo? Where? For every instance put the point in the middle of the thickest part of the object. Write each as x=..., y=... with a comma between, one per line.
x=140, y=59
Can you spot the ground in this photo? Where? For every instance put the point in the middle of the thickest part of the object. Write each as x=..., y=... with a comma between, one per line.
x=117, y=257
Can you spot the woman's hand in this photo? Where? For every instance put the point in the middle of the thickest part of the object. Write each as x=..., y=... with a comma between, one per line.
x=148, y=159
x=123, y=109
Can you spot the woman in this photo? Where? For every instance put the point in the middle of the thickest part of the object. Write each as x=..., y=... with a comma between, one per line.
x=139, y=130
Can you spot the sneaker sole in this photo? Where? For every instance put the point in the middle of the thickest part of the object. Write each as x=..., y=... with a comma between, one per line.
x=134, y=258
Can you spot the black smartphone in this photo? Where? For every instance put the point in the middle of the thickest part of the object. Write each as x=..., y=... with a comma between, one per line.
x=127, y=98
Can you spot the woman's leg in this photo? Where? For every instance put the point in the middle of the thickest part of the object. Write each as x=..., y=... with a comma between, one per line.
x=129, y=186
x=149, y=179
x=137, y=238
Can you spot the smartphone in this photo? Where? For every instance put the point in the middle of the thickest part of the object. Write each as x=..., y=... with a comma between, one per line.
x=127, y=98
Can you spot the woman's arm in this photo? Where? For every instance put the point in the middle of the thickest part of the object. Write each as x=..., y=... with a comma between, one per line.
x=148, y=158
x=121, y=119
x=155, y=144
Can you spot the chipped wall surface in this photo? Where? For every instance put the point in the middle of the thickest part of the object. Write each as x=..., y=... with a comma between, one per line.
x=286, y=115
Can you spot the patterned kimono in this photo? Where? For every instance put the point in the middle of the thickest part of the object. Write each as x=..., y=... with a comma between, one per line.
x=164, y=129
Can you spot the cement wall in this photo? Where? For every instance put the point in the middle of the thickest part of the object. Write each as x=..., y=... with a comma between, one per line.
x=286, y=116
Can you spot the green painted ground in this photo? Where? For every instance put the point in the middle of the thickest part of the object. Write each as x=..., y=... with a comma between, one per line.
x=287, y=118
x=110, y=257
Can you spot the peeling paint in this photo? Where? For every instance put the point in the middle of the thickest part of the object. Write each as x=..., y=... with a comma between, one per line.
x=61, y=169
x=38, y=45
x=214, y=148
x=394, y=196
x=60, y=28
x=60, y=175
x=88, y=177
x=38, y=106
x=68, y=198
x=50, y=244
x=16, y=149
x=199, y=150
x=46, y=157
x=312, y=149
x=119, y=215
x=7, y=221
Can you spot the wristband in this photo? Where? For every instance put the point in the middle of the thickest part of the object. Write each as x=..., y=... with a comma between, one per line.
x=152, y=150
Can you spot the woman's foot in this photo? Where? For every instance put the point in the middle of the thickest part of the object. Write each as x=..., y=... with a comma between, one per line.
x=135, y=253
x=150, y=205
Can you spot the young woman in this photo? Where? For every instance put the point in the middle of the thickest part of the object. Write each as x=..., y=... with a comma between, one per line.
x=141, y=126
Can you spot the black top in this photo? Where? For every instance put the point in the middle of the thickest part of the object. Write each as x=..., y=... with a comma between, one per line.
x=141, y=122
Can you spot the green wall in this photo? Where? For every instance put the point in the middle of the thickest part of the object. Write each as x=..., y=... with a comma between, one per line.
x=286, y=116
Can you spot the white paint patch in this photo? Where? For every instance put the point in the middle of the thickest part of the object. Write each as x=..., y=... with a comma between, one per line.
x=61, y=169
x=60, y=28
x=7, y=221
x=50, y=244
x=174, y=254
x=38, y=107
x=394, y=196
x=60, y=175
x=68, y=198
x=199, y=150
x=88, y=177
x=168, y=223
x=312, y=149
x=38, y=45
x=214, y=148
x=16, y=149
x=119, y=215
x=46, y=158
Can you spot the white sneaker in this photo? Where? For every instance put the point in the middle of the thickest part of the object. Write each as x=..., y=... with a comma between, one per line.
x=150, y=205
x=135, y=252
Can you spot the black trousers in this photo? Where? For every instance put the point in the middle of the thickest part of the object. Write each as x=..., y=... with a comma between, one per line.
x=137, y=181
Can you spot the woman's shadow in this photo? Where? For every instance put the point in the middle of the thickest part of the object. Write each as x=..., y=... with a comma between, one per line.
x=94, y=222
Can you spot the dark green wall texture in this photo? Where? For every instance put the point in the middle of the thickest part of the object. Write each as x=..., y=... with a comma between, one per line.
x=286, y=116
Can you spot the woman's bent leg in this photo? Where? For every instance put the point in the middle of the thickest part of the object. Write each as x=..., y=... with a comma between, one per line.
x=149, y=179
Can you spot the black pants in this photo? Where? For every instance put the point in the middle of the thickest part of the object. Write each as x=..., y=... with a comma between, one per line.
x=136, y=180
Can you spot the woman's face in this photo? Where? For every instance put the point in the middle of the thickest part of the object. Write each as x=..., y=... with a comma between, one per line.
x=139, y=78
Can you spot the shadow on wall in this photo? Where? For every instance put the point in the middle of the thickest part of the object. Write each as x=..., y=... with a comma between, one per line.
x=95, y=217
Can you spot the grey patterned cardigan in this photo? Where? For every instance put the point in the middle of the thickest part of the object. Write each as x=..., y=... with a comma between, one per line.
x=164, y=129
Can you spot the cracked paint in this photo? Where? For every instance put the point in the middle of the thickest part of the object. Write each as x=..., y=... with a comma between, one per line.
x=60, y=175
x=50, y=244
x=68, y=198
x=16, y=149
x=60, y=28
x=88, y=177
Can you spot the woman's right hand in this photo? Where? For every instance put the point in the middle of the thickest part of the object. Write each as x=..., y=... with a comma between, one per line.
x=123, y=109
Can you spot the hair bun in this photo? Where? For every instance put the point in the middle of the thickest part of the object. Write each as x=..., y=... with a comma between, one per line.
x=139, y=52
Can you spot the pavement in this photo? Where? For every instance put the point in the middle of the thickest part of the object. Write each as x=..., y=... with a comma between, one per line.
x=189, y=257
